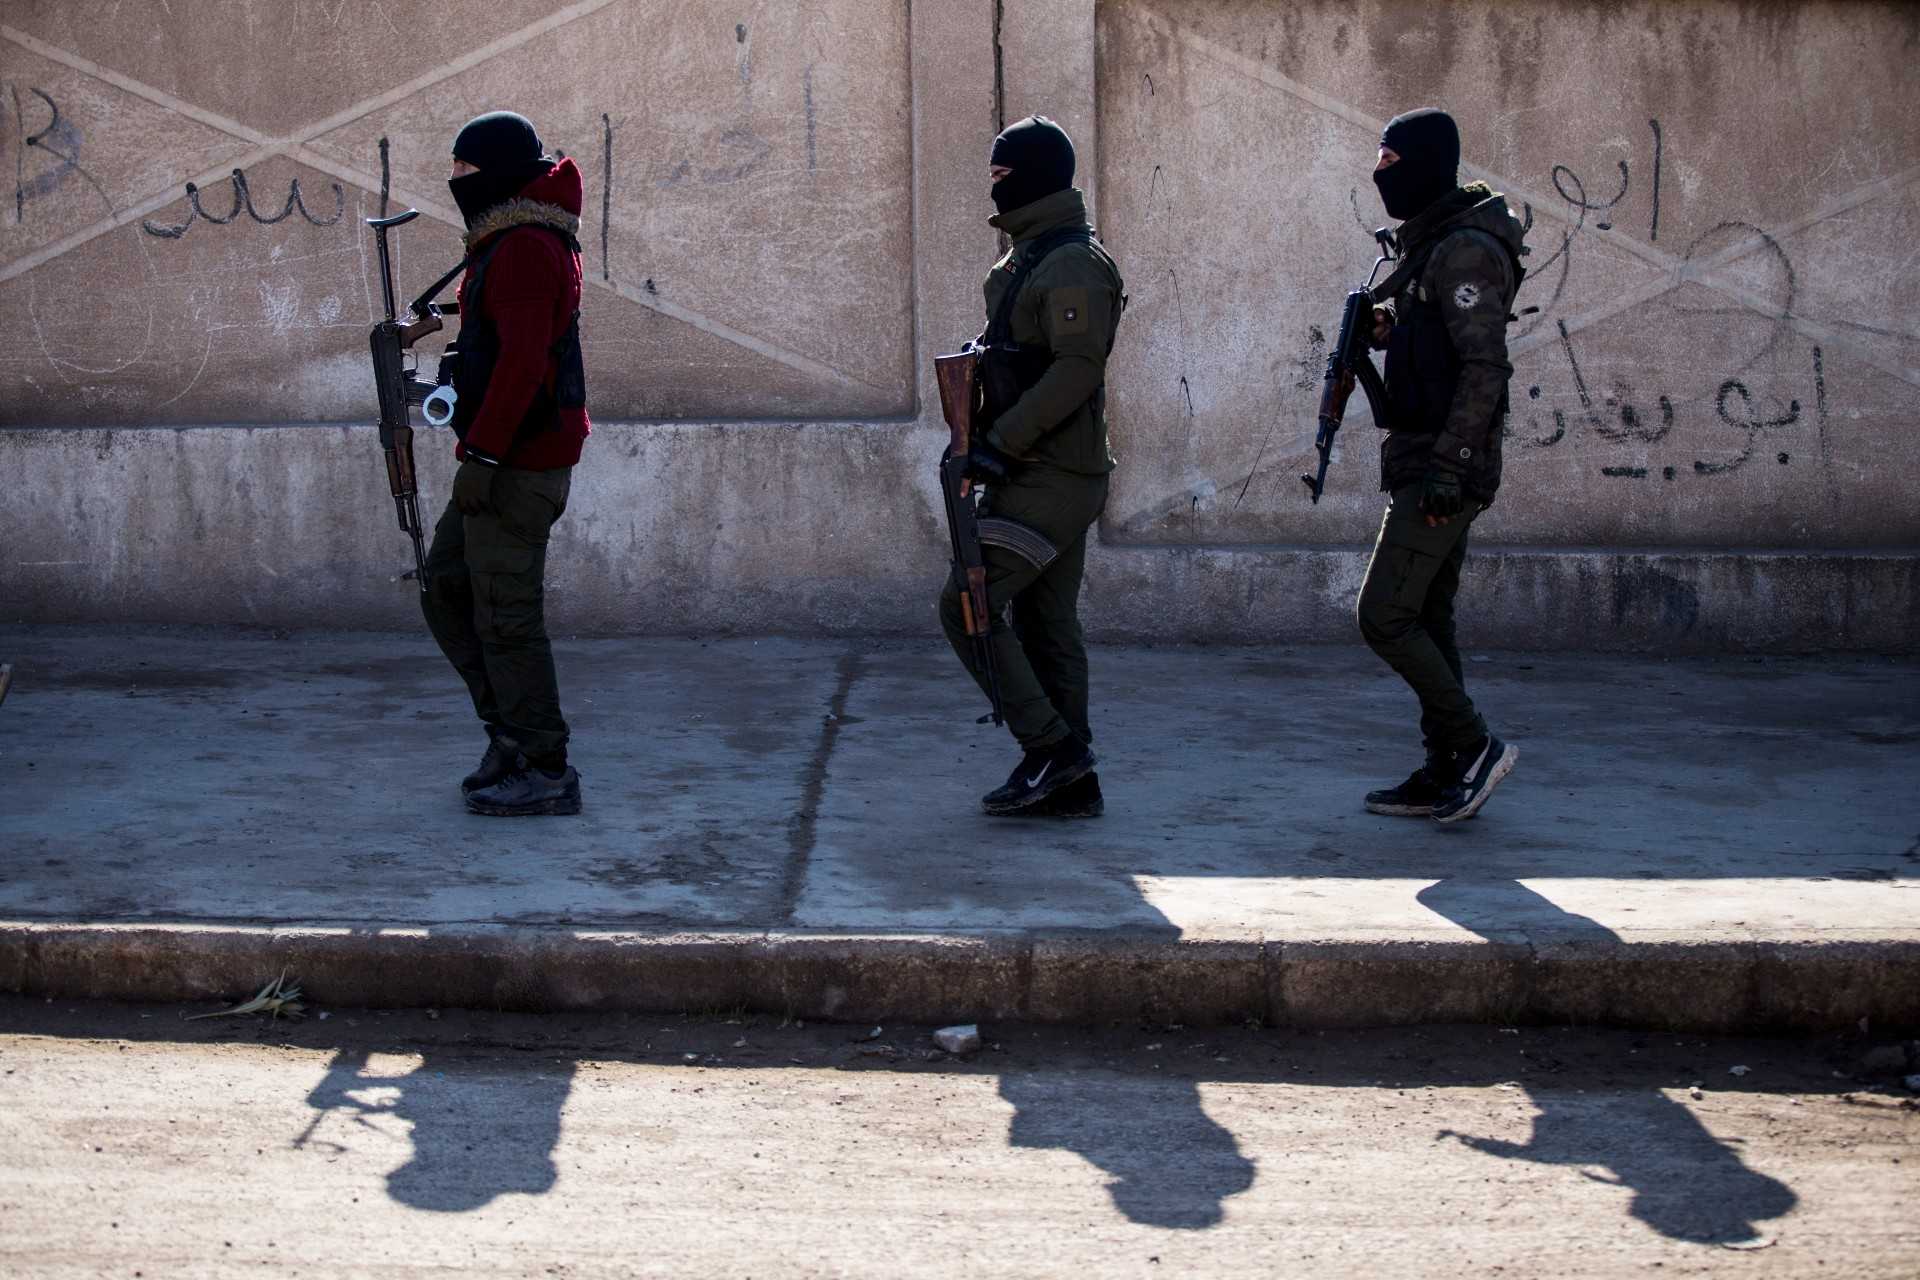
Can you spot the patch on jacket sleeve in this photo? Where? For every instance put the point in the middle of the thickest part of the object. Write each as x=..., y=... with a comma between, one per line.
x=1068, y=310
x=1466, y=295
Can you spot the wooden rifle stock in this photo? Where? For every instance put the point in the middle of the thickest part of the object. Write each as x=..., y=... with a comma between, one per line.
x=959, y=378
x=412, y=333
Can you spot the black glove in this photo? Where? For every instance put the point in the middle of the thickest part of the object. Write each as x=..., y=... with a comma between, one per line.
x=1382, y=330
x=1440, y=494
x=984, y=462
x=473, y=488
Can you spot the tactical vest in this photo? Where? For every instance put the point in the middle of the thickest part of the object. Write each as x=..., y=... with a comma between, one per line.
x=1423, y=369
x=1008, y=369
x=470, y=359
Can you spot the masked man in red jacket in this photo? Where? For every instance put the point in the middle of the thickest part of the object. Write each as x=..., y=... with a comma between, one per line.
x=521, y=415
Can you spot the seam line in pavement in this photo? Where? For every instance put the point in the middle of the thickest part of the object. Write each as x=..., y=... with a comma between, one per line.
x=803, y=827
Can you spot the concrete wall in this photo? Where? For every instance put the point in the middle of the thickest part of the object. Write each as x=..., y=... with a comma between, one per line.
x=1714, y=440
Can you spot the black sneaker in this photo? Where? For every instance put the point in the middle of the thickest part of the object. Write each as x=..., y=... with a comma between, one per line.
x=1413, y=798
x=527, y=792
x=503, y=757
x=1080, y=799
x=1485, y=765
x=1039, y=774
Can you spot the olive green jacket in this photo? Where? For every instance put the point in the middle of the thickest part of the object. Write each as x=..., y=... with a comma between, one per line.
x=1070, y=305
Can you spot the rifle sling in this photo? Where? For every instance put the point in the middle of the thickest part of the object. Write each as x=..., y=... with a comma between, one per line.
x=420, y=304
x=1001, y=330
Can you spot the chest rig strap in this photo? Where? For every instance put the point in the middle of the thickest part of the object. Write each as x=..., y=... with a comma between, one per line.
x=1000, y=329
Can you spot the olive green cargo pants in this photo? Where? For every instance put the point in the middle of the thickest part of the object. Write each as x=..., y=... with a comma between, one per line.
x=485, y=605
x=1406, y=615
x=1039, y=651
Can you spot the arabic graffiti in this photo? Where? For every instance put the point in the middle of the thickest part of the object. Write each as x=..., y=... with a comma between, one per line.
x=1615, y=416
x=243, y=200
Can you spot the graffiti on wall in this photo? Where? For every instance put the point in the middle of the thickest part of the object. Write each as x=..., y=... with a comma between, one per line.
x=1621, y=412
x=54, y=136
x=787, y=143
x=1670, y=338
x=243, y=199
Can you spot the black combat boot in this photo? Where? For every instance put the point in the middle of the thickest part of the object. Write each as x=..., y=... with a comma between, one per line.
x=1080, y=799
x=530, y=790
x=502, y=758
x=1482, y=766
x=1415, y=797
x=1040, y=773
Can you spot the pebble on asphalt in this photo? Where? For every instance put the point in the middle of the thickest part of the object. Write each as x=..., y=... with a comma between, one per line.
x=958, y=1039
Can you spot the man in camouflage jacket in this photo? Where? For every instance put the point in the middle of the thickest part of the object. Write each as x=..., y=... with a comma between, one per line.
x=1443, y=321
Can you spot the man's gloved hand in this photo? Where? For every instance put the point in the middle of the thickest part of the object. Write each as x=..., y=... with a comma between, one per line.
x=1383, y=318
x=473, y=488
x=1440, y=495
x=984, y=462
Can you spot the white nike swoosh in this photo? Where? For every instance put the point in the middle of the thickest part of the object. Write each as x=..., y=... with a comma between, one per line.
x=1482, y=760
x=1034, y=781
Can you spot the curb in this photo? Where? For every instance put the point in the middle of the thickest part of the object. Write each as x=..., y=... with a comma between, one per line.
x=1668, y=983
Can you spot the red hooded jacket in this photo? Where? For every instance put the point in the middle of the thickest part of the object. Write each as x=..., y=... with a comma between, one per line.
x=532, y=292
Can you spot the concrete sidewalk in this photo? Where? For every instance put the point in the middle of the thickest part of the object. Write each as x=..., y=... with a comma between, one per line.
x=793, y=826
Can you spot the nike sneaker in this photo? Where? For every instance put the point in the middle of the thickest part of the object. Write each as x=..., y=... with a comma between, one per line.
x=1080, y=799
x=1040, y=773
x=502, y=758
x=528, y=792
x=1485, y=764
x=1413, y=798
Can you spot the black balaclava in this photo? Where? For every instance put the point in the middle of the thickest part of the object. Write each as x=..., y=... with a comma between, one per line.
x=503, y=146
x=1041, y=156
x=1428, y=144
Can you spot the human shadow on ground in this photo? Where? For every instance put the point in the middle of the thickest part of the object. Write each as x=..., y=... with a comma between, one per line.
x=1686, y=1183
x=465, y=1153
x=477, y=1098
x=1134, y=1140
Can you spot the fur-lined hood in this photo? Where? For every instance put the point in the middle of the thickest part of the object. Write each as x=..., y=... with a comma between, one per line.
x=551, y=200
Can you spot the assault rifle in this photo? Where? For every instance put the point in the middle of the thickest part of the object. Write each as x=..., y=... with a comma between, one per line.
x=400, y=389
x=1349, y=362
x=346, y=1075
x=960, y=399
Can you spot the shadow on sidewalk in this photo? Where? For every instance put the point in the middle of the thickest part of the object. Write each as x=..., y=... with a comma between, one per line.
x=468, y=1107
x=1134, y=1142
x=1686, y=1183
x=465, y=1154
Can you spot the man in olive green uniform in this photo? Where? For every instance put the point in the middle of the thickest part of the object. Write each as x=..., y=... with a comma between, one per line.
x=1053, y=303
x=1443, y=321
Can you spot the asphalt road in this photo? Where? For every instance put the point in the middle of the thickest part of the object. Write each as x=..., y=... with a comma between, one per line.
x=140, y=1144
